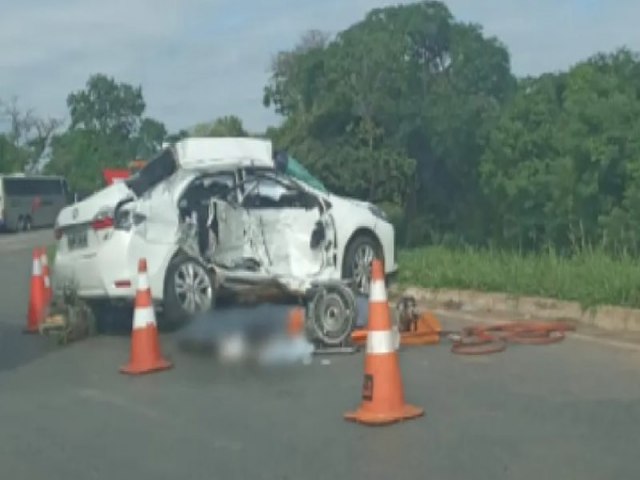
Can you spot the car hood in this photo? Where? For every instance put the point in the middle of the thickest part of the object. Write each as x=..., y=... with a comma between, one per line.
x=86, y=210
x=341, y=200
x=336, y=200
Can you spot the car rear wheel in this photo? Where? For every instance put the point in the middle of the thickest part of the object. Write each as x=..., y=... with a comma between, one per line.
x=189, y=290
x=357, y=261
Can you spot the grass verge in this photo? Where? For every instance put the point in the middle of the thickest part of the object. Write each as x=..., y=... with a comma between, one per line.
x=590, y=277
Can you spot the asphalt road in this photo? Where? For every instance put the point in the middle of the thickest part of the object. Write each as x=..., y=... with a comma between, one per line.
x=566, y=411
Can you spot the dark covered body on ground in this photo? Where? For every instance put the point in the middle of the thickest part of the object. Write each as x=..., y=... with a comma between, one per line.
x=256, y=323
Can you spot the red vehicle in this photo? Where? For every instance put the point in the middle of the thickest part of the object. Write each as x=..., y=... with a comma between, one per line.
x=111, y=175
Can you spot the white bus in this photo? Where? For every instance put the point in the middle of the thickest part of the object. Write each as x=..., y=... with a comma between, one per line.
x=28, y=201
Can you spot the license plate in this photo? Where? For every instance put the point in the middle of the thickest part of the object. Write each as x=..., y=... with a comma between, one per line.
x=76, y=240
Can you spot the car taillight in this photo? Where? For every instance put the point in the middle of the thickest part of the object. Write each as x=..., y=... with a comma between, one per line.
x=102, y=220
x=102, y=223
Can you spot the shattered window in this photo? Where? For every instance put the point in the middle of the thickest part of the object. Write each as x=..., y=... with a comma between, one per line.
x=264, y=192
x=270, y=189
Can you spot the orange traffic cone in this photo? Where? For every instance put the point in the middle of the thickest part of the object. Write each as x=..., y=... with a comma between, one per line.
x=37, y=295
x=44, y=262
x=382, y=391
x=145, y=344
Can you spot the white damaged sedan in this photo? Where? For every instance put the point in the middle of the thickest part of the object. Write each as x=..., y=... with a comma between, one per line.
x=215, y=215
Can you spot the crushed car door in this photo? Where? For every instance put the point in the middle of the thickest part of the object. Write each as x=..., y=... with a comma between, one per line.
x=212, y=220
x=231, y=220
x=290, y=226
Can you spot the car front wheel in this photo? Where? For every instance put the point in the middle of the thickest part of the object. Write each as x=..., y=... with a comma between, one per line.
x=357, y=262
x=189, y=290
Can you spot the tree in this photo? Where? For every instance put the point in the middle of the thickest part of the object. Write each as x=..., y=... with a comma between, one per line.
x=562, y=162
x=407, y=93
x=293, y=74
x=150, y=137
x=107, y=107
x=12, y=158
x=107, y=129
x=28, y=136
x=229, y=126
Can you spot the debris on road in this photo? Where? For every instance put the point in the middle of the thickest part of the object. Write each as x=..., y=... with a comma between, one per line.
x=417, y=327
x=65, y=317
x=68, y=322
x=487, y=339
x=413, y=326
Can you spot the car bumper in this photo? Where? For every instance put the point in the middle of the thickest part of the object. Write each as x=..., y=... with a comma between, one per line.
x=110, y=272
x=93, y=276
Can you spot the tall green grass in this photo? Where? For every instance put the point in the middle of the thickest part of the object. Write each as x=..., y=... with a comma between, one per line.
x=590, y=277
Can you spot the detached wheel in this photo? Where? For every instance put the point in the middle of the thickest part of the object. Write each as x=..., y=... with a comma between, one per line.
x=332, y=314
x=188, y=290
x=357, y=262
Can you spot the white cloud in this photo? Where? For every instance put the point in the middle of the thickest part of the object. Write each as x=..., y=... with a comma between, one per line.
x=199, y=59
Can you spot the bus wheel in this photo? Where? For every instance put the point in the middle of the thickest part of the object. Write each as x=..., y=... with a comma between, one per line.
x=26, y=224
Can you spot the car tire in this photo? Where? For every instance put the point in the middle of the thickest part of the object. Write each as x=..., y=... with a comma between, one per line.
x=189, y=289
x=359, y=254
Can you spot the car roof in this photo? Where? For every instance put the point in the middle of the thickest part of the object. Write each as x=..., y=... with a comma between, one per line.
x=198, y=153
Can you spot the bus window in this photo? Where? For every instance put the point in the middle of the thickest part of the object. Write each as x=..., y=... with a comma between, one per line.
x=20, y=187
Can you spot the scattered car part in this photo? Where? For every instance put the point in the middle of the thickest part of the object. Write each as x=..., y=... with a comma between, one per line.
x=413, y=327
x=331, y=314
x=69, y=319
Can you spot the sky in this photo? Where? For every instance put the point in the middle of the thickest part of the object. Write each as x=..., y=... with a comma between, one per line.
x=200, y=59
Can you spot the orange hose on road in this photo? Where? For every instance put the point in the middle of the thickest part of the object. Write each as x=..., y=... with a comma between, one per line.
x=423, y=328
x=478, y=345
x=483, y=339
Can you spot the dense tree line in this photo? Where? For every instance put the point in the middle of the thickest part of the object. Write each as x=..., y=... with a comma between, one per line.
x=422, y=114
x=417, y=112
